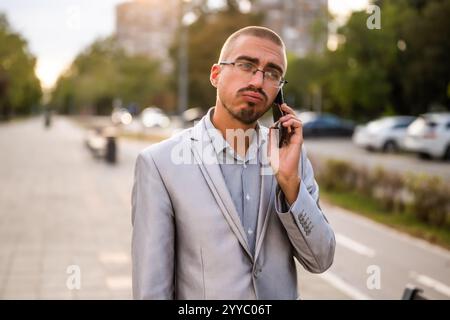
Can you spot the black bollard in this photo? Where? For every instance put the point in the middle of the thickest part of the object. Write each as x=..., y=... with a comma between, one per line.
x=47, y=119
x=111, y=149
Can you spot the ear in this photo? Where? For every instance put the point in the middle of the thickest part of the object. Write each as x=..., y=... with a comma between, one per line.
x=214, y=75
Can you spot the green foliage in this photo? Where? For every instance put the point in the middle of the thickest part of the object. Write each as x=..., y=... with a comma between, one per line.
x=423, y=198
x=402, y=68
x=426, y=74
x=20, y=89
x=103, y=73
x=431, y=204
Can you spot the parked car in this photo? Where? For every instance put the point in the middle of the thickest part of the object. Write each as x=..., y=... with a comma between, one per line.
x=121, y=116
x=429, y=135
x=192, y=115
x=325, y=125
x=154, y=117
x=386, y=134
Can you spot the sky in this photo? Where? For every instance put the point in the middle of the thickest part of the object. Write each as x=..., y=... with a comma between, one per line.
x=57, y=30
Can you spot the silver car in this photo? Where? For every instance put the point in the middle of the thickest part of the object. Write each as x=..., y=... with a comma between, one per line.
x=429, y=135
x=386, y=134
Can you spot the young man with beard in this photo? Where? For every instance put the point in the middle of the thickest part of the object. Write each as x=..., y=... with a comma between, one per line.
x=220, y=211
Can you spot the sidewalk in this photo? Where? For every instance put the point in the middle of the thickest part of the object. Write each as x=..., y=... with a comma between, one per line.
x=61, y=207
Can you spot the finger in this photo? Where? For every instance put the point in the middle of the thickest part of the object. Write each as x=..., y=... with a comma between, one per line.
x=292, y=123
x=287, y=117
x=287, y=109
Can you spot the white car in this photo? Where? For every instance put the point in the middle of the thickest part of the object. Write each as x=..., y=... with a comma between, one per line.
x=429, y=135
x=386, y=134
x=154, y=117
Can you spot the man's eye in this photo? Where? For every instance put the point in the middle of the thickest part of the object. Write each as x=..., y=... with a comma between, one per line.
x=273, y=75
x=246, y=66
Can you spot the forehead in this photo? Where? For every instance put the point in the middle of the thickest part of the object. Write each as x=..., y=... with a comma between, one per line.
x=265, y=50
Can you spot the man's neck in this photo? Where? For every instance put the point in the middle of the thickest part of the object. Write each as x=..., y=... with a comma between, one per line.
x=223, y=121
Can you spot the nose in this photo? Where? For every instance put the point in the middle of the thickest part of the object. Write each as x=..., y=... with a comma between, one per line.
x=257, y=79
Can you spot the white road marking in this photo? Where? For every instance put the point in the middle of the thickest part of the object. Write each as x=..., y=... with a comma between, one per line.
x=343, y=286
x=354, y=246
x=430, y=282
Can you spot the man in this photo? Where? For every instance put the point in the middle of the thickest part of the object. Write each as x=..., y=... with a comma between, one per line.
x=210, y=219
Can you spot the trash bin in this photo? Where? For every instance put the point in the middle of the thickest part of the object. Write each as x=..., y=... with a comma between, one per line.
x=111, y=149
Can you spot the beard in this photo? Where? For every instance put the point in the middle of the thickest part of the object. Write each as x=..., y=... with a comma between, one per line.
x=247, y=115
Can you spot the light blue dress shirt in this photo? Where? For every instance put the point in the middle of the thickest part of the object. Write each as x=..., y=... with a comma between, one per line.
x=241, y=175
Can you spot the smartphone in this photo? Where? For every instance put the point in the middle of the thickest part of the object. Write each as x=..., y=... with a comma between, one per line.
x=277, y=114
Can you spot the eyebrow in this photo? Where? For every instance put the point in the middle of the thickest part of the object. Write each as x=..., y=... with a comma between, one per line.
x=256, y=61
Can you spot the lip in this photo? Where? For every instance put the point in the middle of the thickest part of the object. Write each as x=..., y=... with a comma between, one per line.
x=252, y=96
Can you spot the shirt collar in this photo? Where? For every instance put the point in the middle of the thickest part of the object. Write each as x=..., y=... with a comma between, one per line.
x=220, y=144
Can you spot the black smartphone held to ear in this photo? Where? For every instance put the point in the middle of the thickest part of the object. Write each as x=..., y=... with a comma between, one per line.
x=277, y=114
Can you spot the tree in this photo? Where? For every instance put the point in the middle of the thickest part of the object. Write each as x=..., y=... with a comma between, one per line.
x=102, y=73
x=20, y=89
x=426, y=73
x=206, y=37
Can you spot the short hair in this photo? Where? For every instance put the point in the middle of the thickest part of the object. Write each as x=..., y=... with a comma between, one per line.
x=255, y=31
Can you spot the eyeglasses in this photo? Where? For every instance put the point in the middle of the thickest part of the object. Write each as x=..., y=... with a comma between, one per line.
x=272, y=77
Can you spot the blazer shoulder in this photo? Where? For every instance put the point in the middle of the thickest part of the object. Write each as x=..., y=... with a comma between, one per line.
x=161, y=151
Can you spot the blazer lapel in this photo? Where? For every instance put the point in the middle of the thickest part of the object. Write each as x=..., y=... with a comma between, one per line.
x=205, y=156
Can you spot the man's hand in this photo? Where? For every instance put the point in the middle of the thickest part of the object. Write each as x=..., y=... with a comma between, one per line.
x=284, y=161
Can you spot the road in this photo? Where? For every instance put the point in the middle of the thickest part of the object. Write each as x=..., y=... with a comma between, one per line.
x=60, y=209
x=366, y=250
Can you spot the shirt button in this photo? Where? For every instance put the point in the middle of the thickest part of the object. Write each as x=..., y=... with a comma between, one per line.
x=247, y=197
x=250, y=231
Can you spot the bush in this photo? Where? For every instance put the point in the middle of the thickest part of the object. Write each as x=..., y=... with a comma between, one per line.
x=388, y=189
x=431, y=202
x=426, y=198
x=338, y=175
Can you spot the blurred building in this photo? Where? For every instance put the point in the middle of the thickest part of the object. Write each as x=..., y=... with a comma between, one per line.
x=301, y=23
x=147, y=27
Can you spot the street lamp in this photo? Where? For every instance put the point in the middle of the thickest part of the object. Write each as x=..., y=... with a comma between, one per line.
x=183, y=61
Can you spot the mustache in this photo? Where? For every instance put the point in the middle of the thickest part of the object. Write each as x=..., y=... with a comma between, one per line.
x=253, y=89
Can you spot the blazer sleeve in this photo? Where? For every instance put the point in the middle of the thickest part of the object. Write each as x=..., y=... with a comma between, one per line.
x=308, y=229
x=153, y=233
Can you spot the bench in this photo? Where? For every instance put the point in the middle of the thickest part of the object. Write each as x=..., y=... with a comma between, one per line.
x=101, y=141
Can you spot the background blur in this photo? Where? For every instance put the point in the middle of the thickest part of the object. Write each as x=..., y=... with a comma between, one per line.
x=85, y=86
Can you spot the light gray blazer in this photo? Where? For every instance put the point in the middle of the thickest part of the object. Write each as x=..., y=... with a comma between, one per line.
x=188, y=241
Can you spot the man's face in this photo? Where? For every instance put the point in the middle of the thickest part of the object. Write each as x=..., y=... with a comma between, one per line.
x=246, y=96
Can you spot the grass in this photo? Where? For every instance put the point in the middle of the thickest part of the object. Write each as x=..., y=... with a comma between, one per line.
x=143, y=137
x=404, y=222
